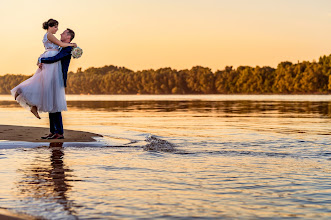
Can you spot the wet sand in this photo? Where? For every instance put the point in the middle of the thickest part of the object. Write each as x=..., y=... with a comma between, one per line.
x=34, y=134
x=7, y=215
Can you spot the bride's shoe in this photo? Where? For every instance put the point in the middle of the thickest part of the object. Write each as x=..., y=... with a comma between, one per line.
x=35, y=112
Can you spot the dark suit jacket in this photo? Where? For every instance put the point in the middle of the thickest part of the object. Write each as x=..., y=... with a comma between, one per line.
x=65, y=56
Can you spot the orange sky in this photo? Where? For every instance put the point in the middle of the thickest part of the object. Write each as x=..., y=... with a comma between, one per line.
x=144, y=34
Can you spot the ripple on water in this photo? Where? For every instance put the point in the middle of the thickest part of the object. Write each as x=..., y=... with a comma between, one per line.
x=236, y=159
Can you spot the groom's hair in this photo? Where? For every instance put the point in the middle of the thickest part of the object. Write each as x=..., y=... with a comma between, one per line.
x=71, y=33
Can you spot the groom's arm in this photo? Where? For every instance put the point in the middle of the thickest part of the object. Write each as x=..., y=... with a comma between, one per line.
x=63, y=53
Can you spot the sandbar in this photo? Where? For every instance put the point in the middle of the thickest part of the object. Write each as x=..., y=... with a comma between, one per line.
x=8, y=215
x=34, y=134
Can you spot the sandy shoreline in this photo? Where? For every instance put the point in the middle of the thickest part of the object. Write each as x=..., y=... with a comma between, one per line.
x=34, y=134
x=8, y=215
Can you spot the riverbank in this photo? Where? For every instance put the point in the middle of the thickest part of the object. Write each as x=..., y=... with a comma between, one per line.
x=34, y=134
x=5, y=214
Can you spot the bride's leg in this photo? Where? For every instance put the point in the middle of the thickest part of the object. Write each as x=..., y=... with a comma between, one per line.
x=18, y=92
x=34, y=111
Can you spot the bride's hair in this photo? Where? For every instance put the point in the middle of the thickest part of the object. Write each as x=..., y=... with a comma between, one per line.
x=50, y=23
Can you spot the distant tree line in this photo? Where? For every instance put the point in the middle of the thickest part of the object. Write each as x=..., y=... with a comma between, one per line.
x=288, y=78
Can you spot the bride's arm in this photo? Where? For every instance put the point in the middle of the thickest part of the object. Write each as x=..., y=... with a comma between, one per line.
x=53, y=39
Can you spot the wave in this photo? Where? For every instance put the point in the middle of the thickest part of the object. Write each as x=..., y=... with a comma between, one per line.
x=159, y=145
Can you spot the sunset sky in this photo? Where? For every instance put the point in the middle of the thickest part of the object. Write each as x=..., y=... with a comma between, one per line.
x=145, y=34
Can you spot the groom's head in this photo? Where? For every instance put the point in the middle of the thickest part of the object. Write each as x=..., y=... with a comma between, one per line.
x=67, y=35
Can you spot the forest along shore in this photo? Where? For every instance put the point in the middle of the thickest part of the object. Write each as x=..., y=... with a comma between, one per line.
x=288, y=78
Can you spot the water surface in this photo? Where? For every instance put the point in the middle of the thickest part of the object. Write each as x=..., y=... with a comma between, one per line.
x=244, y=157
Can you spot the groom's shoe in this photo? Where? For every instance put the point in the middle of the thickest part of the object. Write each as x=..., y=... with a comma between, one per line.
x=45, y=137
x=56, y=136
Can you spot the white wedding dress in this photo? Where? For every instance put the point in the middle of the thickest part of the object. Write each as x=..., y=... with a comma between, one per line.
x=45, y=89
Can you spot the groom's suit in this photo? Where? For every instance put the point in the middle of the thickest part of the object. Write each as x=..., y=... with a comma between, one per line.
x=55, y=119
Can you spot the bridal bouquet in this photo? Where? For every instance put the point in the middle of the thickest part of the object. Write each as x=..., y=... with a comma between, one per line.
x=77, y=52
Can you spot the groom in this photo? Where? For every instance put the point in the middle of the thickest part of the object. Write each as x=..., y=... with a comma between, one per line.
x=55, y=119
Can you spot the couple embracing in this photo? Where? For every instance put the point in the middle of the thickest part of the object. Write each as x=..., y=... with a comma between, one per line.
x=45, y=90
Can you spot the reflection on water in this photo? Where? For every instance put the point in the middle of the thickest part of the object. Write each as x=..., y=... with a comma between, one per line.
x=227, y=107
x=233, y=159
x=47, y=179
x=322, y=108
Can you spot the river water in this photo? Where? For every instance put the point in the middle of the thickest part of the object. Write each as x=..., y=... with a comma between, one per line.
x=175, y=157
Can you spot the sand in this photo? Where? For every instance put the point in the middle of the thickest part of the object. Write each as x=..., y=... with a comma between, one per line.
x=7, y=215
x=34, y=134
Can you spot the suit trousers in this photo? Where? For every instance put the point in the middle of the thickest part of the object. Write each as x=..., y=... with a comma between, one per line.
x=55, y=123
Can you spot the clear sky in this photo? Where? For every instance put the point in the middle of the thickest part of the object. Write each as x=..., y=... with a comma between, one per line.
x=144, y=34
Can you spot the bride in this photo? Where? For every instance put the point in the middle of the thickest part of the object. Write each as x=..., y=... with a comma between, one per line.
x=45, y=91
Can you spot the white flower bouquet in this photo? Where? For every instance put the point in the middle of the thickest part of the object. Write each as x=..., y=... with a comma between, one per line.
x=76, y=52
